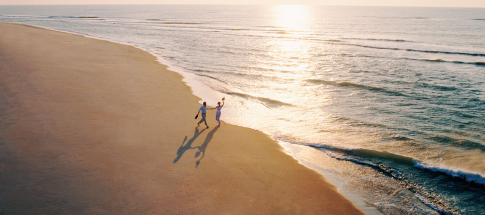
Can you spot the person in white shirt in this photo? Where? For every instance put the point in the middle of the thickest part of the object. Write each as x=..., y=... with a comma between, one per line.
x=203, y=109
x=218, y=112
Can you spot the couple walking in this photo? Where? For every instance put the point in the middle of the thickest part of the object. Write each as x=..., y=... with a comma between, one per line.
x=204, y=108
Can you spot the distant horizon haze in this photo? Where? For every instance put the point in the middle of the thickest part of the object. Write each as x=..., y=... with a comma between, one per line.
x=397, y=3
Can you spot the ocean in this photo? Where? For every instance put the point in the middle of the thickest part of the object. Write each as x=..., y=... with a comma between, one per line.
x=391, y=98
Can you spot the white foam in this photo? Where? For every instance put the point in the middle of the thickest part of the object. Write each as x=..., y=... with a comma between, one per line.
x=456, y=173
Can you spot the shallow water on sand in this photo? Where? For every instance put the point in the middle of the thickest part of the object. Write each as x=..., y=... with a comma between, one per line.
x=393, y=98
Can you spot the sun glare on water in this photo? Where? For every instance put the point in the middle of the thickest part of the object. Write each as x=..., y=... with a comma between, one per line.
x=292, y=23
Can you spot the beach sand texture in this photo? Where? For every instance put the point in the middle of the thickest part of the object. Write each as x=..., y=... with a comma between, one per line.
x=93, y=127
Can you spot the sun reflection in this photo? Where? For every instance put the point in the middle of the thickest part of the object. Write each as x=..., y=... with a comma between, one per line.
x=288, y=46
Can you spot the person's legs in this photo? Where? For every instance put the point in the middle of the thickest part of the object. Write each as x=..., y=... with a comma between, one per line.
x=203, y=119
x=218, y=117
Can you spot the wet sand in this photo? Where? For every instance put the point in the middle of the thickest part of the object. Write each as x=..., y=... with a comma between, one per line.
x=93, y=127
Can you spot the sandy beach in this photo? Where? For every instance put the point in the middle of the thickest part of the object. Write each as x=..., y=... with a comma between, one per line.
x=93, y=127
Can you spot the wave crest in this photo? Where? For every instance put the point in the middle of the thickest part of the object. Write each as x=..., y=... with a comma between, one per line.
x=355, y=85
x=358, y=156
x=266, y=101
x=455, y=173
x=75, y=17
x=444, y=61
x=424, y=51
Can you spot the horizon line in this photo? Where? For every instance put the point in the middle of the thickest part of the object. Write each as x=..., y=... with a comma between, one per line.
x=252, y=5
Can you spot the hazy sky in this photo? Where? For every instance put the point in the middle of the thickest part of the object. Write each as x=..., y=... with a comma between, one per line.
x=426, y=3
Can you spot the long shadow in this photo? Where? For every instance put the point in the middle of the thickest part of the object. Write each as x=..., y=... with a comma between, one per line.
x=183, y=148
x=204, y=146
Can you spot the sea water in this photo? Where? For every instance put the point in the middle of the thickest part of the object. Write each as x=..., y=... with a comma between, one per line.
x=391, y=98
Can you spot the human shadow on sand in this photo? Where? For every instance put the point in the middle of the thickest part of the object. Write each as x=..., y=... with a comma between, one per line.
x=204, y=146
x=183, y=148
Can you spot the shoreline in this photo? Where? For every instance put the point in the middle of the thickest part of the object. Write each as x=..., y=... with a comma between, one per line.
x=199, y=90
x=113, y=120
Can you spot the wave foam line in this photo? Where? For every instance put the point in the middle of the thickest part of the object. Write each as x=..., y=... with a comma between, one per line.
x=264, y=100
x=430, y=204
x=75, y=17
x=470, y=177
x=425, y=51
x=355, y=85
x=374, y=39
x=444, y=61
x=424, y=196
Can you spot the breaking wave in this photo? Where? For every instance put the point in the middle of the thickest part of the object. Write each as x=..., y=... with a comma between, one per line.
x=354, y=85
x=455, y=173
x=266, y=101
x=75, y=17
x=358, y=156
x=424, y=51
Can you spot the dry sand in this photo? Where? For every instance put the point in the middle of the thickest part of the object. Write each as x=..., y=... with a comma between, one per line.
x=94, y=127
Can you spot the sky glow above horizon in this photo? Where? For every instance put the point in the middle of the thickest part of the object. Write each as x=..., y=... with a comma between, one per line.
x=412, y=3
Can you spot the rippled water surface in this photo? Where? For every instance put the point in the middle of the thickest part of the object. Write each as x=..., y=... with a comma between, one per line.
x=395, y=97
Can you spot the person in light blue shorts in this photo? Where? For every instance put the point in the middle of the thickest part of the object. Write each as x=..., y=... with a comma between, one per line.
x=218, y=113
x=203, y=109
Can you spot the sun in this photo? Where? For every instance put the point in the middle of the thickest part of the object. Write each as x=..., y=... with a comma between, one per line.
x=292, y=17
